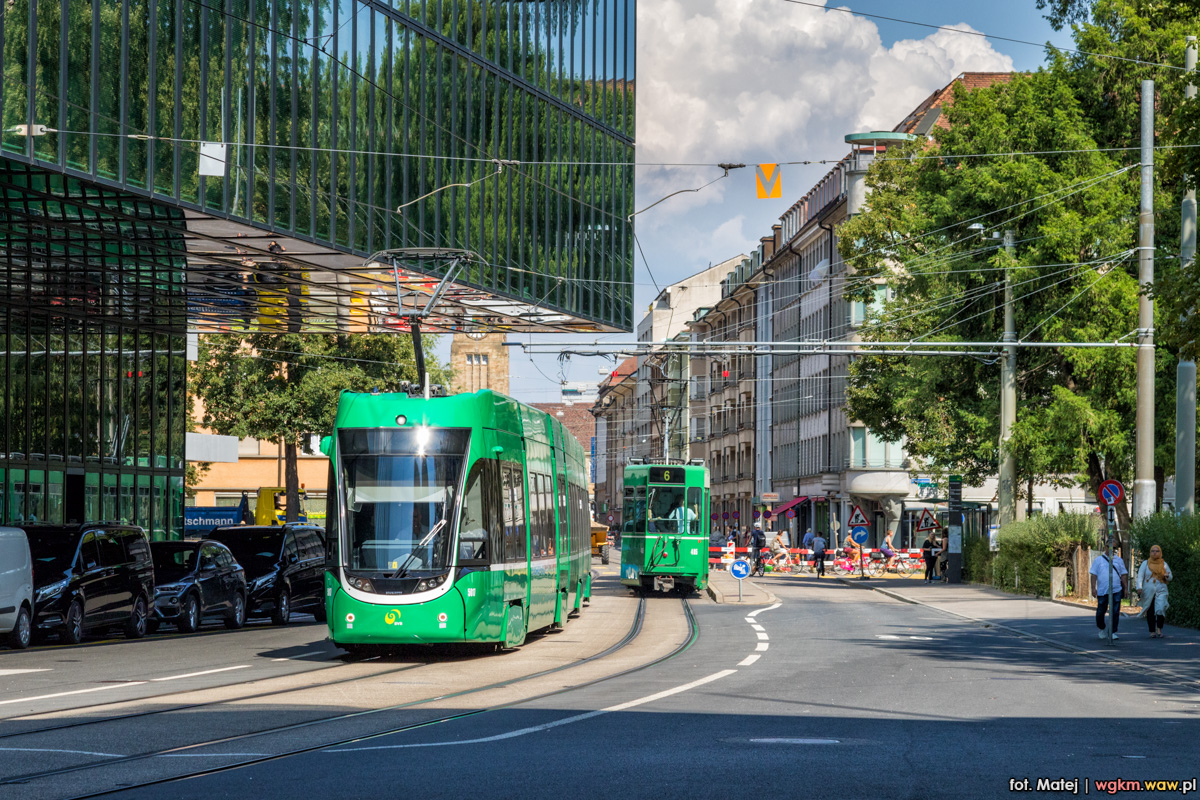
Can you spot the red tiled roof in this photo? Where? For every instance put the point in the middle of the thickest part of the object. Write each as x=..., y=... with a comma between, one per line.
x=936, y=103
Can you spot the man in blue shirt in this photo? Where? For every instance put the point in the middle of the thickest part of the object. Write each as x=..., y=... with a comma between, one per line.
x=1104, y=569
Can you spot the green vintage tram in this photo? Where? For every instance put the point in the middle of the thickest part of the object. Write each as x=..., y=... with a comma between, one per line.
x=452, y=519
x=664, y=533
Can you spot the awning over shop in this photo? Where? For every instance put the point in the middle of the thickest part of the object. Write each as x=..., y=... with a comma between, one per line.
x=789, y=504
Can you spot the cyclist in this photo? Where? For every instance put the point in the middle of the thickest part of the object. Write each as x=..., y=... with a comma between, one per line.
x=758, y=540
x=889, y=552
x=779, y=550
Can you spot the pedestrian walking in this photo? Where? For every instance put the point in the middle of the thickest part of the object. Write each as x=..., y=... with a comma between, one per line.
x=928, y=552
x=1153, y=576
x=818, y=548
x=807, y=541
x=1103, y=570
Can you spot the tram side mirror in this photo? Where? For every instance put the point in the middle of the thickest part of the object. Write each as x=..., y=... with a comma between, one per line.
x=326, y=445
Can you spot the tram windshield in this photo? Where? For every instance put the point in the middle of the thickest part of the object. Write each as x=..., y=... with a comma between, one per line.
x=398, y=489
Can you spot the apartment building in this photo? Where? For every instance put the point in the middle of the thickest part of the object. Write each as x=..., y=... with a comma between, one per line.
x=615, y=431
x=726, y=396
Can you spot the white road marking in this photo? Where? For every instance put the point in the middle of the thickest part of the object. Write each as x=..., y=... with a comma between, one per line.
x=885, y=636
x=547, y=726
x=21, y=671
x=76, y=691
x=762, y=646
x=762, y=635
x=51, y=750
x=795, y=741
x=768, y=608
x=758, y=627
x=748, y=660
x=750, y=620
x=203, y=672
x=300, y=655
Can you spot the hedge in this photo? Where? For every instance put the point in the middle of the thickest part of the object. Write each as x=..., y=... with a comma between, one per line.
x=1027, y=551
x=1179, y=538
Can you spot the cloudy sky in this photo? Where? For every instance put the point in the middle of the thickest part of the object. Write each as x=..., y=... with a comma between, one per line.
x=765, y=81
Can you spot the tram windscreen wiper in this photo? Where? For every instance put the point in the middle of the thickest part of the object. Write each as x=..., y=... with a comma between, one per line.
x=400, y=573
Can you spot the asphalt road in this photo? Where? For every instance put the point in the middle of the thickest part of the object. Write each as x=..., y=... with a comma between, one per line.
x=835, y=692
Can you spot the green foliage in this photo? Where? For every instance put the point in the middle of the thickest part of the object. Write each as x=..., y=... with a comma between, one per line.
x=1179, y=538
x=1072, y=273
x=283, y=387
x=1028, y=549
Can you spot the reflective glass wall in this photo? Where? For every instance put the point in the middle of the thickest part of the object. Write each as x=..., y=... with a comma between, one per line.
x=92, y=354
x=505, y=128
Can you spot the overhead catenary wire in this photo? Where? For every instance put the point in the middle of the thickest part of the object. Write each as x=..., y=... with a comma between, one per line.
x=846, y=10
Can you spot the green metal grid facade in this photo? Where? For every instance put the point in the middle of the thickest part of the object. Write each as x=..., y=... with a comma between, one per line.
x=337, y=113
x=93, y=386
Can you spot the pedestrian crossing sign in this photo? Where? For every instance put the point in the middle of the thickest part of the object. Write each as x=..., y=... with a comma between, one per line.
x=858, y=518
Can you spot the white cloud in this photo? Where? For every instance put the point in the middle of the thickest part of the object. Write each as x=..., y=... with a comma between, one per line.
x=764, y=80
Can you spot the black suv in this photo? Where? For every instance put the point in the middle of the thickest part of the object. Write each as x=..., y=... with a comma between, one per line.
x=89, y=578
x=195, y=580
x=285, y=567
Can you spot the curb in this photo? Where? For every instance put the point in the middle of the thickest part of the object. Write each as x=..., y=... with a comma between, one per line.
x=1070, y=648
x=719, y=597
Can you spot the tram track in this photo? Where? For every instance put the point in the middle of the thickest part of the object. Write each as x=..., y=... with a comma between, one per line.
x=626, y=640
x=194, y=706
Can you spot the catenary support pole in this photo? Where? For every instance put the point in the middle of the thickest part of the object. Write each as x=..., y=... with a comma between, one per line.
x=1008, y=398
x=1185, y=373
x=1143, y=483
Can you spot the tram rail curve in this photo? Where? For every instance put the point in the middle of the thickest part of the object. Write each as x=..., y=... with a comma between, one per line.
x=627, y=639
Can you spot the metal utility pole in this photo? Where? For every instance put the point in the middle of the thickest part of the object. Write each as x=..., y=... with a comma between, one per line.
x=1185, y=373
x=1143, y=484
x=1008, y=398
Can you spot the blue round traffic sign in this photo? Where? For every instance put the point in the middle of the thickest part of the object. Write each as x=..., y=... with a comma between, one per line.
x=791, y=513
x=740, y=569
x=767, y=514
x=859, y=534
x=1112, y=492
x=737, y=514
x=726, y=515
x=756, y=513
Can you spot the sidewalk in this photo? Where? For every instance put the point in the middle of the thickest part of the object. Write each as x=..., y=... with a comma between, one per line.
x=722, y=588
x=1065, y=626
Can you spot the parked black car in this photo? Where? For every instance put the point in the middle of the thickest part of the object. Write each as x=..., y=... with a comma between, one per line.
x=285, y=567
x=89, y=578
x=196, y=580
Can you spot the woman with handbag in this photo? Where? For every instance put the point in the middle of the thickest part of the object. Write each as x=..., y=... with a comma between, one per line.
x=1153, y=576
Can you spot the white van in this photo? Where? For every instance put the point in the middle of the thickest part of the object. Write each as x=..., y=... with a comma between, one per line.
x=16, y=588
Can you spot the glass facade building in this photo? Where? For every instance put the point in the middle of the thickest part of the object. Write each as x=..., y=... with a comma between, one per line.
x=169, y=165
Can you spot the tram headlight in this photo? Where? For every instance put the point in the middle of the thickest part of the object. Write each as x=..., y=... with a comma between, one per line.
x=422, y=586
x=362, y=584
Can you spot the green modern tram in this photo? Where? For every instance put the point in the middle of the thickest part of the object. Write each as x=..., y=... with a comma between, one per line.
x=452, y=519
x=665, y=527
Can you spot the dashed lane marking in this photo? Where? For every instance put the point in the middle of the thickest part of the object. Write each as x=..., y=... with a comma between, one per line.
x=758, y=627
x=762, y=635
x=557, y=723
x=300, y=655
x=74, y=691
x=762, y=646
x=795, y=741
x=748, y=660
x=4, y=672
x=202, y=672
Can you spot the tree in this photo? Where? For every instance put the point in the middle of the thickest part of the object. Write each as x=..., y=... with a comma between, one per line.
x=285, y=386
x=1073, y=215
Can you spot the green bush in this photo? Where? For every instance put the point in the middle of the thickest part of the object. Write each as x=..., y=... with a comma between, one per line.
x=1179, y=538
x=977, y=559
x=1028, y=549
